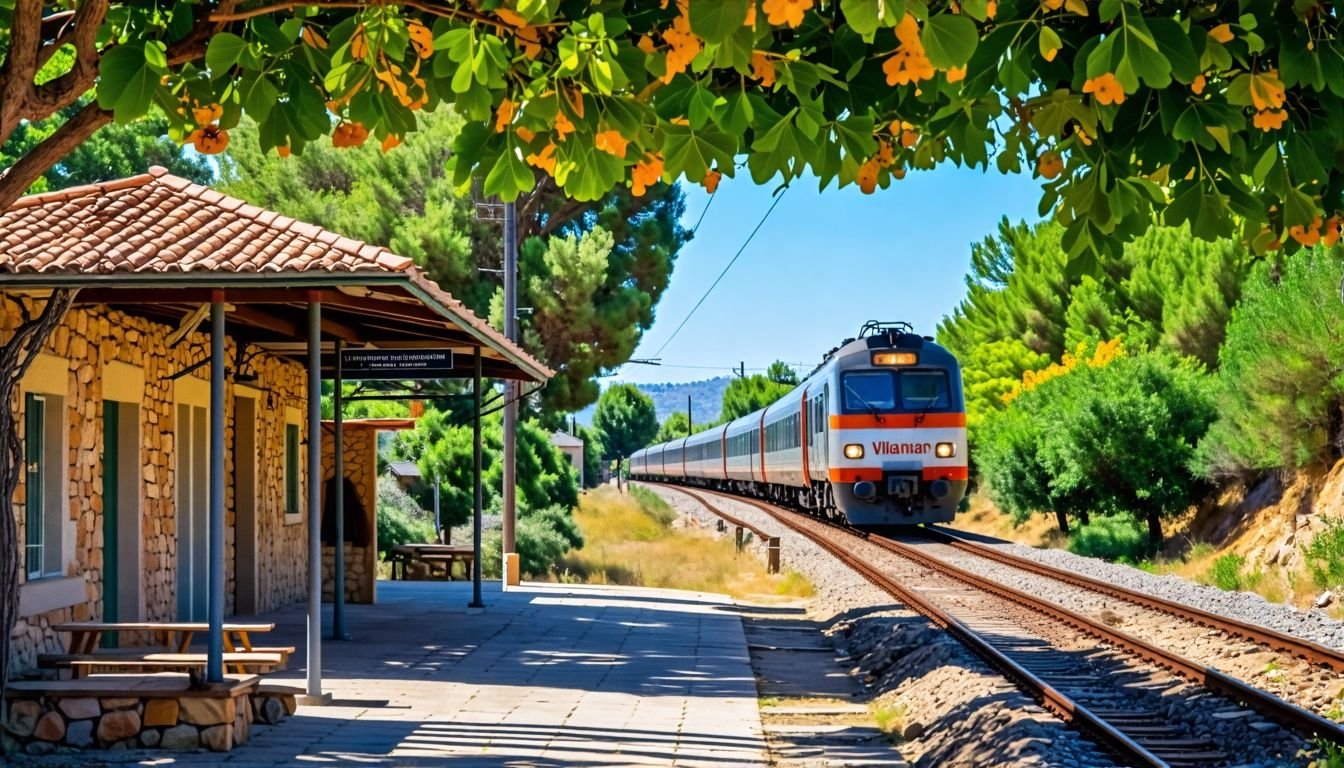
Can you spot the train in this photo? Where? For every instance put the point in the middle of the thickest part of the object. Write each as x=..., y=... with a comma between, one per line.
x=876, y=436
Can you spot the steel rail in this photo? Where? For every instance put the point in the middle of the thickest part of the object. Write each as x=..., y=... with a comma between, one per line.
x=1052, y=698
x=1302, y=720
x=1305, y=649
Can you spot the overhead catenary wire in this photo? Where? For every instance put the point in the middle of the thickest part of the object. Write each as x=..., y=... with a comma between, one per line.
x=726, y=267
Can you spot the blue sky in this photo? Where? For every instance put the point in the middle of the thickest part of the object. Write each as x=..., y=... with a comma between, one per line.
x=823, y=263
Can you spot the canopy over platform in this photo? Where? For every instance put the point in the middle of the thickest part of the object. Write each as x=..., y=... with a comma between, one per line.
x=161, y=247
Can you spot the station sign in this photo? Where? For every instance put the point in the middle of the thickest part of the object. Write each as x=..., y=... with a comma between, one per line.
x=396, y=364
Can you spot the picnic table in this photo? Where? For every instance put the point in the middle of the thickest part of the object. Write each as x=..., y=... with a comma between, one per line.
x=177, y=635
x=433, y=555
x=172, y=649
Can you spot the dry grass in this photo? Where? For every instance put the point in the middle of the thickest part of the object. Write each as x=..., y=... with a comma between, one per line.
x=988, y=520
x=630, y=541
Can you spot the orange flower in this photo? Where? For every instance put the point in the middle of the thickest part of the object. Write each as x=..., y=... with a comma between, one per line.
x=991, y=9
x=645, y=174
x=1331, y=234
x=208, y=114
x=909, y=136
x=392, y=141
x=1050, y=164
x=510, y=17
x=504, y=115
x=685, y=46
x=611, y=142
x=349, y=135
x=867, y=175
x=1267, y=90
x=282, y=151
x=1052, y=5
x=956, y=74
x=711, y=180
x=898, y=172
x=909, y=64
x=1307, y=236
x=1197, y=85
x=1222, y=33
x=885, y=155
x=525, y=134
x=1270, y=119
x=312, y=39
x=646, y=45
x=750, y=21
x=1105, y=89
x=790, y=12
x=359, y=45
x=421, y=38
x=545, y=159
x=209, y=140
x=563, y=127
x=763, y=69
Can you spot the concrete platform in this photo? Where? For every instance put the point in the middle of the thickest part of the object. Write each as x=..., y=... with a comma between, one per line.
x=546, y=675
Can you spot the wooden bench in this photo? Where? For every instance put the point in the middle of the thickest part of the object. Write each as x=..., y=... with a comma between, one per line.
x=446, y=560
x=437, y=557
x=193, y=663
x=85, y=636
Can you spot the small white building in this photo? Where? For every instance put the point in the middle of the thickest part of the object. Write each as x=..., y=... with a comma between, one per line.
x=572, y=447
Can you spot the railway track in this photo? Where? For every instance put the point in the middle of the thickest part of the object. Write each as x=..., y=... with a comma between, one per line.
x=1127, y=706
x=1312, y=653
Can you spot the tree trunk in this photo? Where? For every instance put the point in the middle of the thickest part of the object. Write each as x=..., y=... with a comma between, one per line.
x=618, y=474
x=1154, y=530
x=1062, y=520
x=16, y=355
x=1084, y=517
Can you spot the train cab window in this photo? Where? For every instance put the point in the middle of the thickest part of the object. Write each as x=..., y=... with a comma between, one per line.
x=869, y=391
x=924, y=390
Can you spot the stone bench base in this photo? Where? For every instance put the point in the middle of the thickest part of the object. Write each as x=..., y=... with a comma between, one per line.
x=139, y=711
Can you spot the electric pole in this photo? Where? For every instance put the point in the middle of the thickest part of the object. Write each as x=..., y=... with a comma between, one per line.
x=690, y=422
x=510, y=386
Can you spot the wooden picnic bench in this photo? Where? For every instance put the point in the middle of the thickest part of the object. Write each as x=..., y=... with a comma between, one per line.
x=435, y=556
x=172, y=649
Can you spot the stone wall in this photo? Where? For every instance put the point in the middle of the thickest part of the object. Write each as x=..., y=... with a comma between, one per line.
x=41, y=723
x=82, y=348
x=361, y=469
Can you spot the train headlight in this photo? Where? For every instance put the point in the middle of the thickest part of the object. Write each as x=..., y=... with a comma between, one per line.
x=854, y=451
x=945, y=450
x=895, y=358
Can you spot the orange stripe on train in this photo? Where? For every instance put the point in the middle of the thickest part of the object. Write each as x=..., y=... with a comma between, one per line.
x=896, y=420
x=855, y=474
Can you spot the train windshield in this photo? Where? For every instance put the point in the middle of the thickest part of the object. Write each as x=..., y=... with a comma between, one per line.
x=889, y=392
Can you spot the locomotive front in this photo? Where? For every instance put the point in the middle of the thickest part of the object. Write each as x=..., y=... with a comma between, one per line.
x=897, y=443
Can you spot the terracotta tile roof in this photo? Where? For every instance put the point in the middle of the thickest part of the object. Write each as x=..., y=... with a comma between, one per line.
x=158, y=224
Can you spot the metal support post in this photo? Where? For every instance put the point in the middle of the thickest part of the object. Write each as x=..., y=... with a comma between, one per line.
x=438, y=518
x=314, y=500
x=338, y=508
x=690, y=424
x=476, y=601
x=214, y=659
x=510, y=387
x=772, y=555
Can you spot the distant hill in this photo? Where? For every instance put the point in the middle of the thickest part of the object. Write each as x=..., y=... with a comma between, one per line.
x=706, y=399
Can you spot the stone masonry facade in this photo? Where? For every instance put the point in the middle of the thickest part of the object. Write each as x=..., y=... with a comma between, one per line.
x=89, y=347
x=361, y=469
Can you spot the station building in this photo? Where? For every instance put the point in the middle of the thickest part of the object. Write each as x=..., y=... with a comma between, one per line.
x=115, y=414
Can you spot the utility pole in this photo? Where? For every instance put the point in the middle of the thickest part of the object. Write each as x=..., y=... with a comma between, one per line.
x=741, y=372
x=510, y=386
x=690, y=421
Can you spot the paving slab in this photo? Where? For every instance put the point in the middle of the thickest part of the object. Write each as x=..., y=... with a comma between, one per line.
x=546, y=675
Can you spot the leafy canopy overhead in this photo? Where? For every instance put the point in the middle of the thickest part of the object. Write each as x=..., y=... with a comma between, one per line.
x=1225, y=116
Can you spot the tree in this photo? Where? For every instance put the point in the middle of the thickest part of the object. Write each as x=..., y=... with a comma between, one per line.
x=677, y=425
x=1114, y=439
x=592, y=282
x=781, y=372
x=1280, y=390
x=750, y=393
x=627, y=420
x=114, y=152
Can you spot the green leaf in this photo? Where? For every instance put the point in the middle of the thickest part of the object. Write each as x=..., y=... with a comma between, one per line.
x=716, y=21
x=866, y=16
x=949, y=40
x=1299, y=209
x=511, y=175
x=1049, y=42
x=259, y=95
x=692, y=153
x=1174, y=44
x=223, y=52
x=126, y=82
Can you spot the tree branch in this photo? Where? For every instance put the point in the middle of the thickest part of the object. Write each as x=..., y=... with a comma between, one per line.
x=16, y=179
x=16, y=75
x=63, y=91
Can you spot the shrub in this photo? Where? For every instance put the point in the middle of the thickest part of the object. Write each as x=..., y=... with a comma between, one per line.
x=561, y=520
x=400, y=519
x=653, y=505
x=1324, y=555
x=1225, y=572
x=1112, y=439
x=1110, y=538
x=1280, y=388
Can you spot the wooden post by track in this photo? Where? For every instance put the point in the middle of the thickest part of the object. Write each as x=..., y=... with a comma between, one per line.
x=772, y=555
